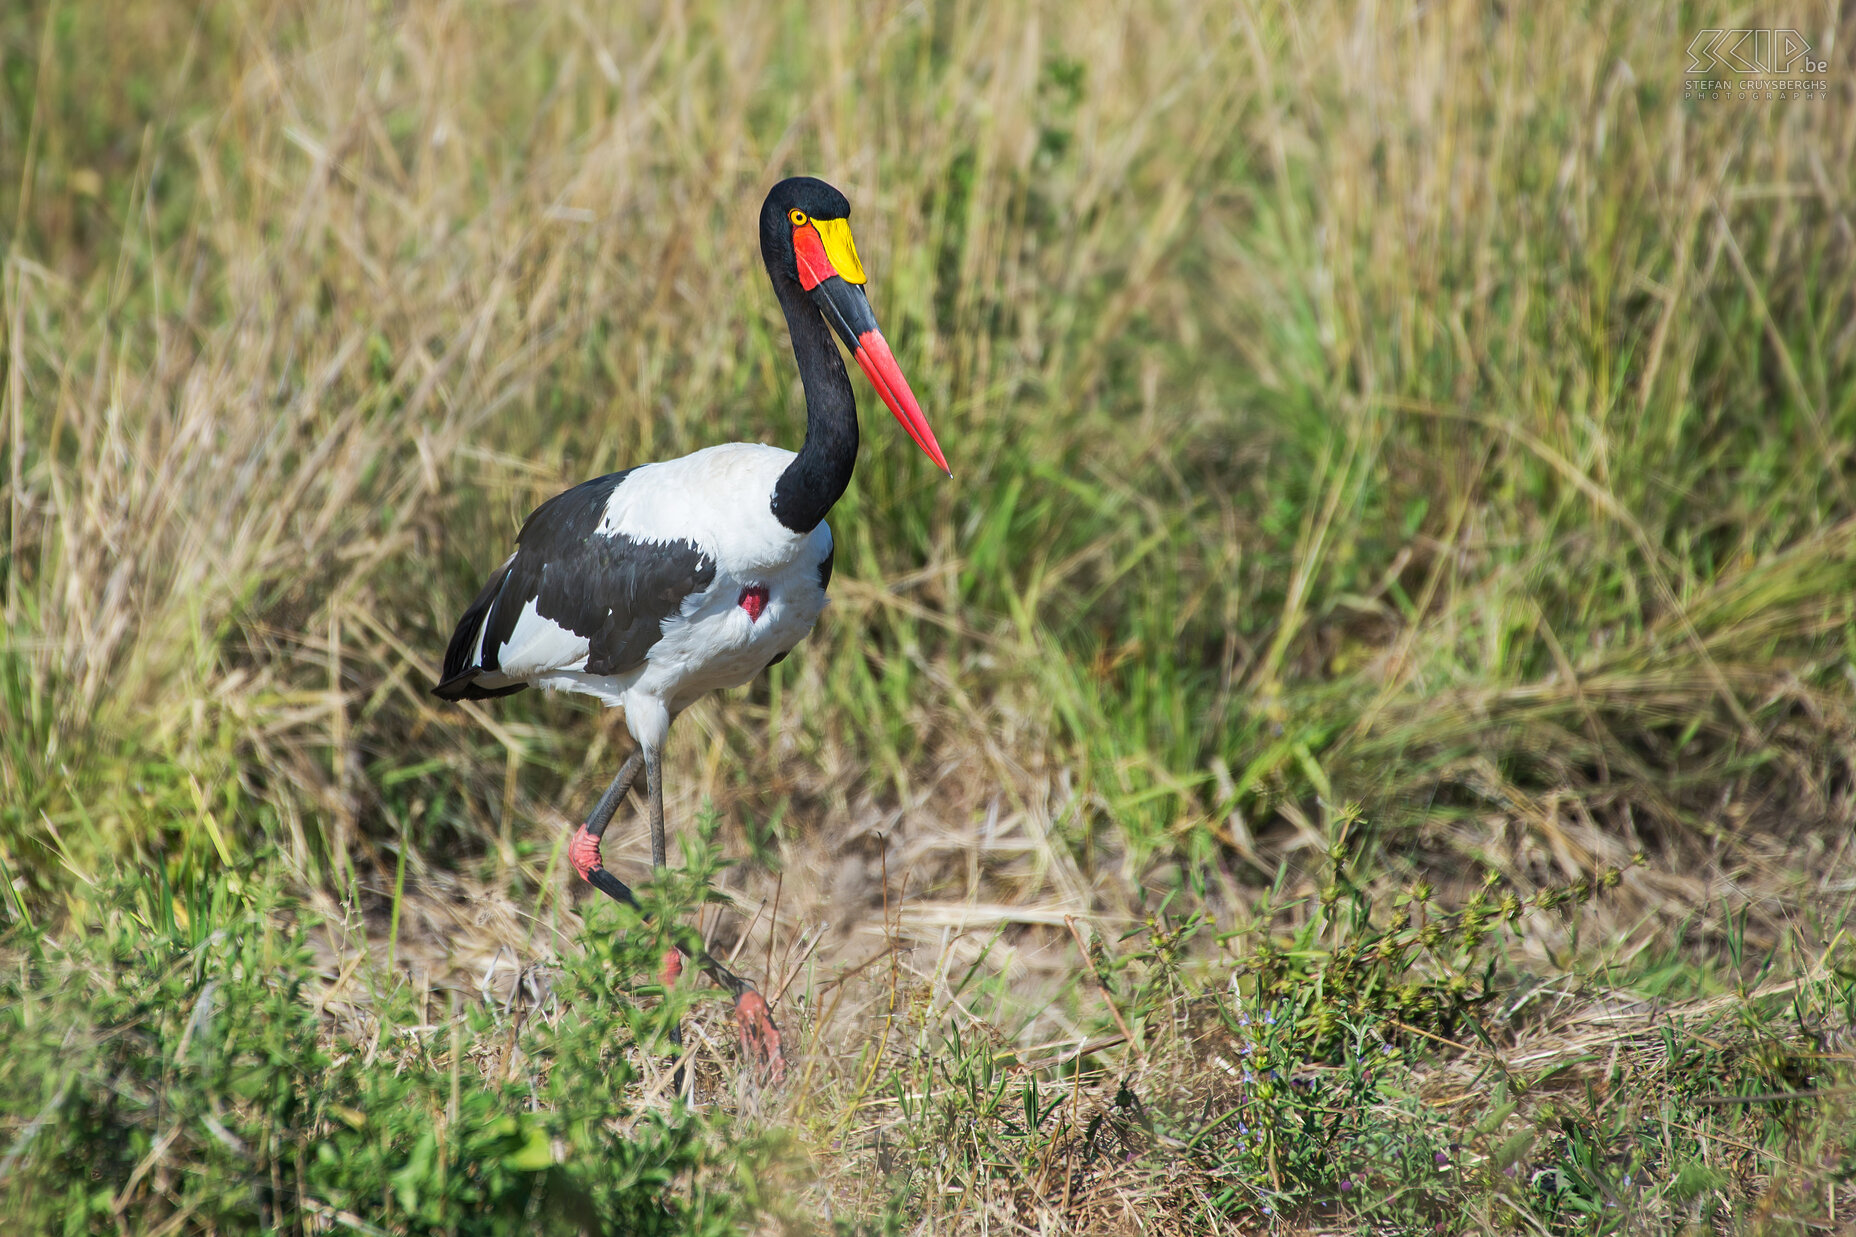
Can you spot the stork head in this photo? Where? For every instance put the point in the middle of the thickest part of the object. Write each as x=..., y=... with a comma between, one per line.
x=805, y=237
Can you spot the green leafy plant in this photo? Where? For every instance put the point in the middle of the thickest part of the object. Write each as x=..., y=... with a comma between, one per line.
x=168, y=1062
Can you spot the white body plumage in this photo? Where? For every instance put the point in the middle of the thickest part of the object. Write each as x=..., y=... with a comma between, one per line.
x=704, y=519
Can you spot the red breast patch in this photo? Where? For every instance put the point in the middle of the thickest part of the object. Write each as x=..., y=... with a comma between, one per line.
x=753, y=600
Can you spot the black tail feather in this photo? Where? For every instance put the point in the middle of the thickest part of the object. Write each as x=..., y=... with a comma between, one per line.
x=461, y=667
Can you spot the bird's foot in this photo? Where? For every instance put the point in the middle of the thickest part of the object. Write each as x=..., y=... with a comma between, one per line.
x=583, y=853
x=760, y=1038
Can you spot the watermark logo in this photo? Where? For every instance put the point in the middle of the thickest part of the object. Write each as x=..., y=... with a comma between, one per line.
x=1767, y=52
x=1751, y=65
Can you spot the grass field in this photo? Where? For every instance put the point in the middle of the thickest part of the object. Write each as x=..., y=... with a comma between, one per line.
x=1365, y=743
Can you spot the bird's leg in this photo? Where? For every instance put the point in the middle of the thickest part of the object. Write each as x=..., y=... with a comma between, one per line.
x=760, y=1038
x=601, y=815
x=654, y=796
x=654, y=792
x=584, y=849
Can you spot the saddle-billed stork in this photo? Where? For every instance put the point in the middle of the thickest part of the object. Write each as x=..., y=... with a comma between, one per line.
x=651, y=587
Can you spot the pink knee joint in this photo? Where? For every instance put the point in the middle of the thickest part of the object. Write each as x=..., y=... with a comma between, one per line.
x=583, y=853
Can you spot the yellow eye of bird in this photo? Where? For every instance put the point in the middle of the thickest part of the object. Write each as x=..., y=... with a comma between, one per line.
x=798, y=218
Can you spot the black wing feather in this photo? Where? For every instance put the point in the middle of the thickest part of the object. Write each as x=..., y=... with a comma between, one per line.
x=459, y=681
x=609, y=588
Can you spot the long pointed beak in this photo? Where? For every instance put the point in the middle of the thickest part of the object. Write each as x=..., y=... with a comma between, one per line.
x=847, y=309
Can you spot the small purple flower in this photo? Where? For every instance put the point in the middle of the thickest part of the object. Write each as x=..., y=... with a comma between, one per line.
x=1441, y=1158
x=1269, y=1017
x=1244, y=1129
x=1346, y=1184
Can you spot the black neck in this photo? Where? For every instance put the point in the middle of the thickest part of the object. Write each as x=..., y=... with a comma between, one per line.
x=817, y=478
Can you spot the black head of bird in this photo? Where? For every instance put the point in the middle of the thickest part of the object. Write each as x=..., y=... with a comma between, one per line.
x=805, y=239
